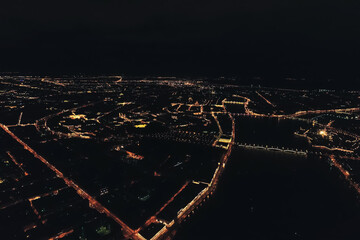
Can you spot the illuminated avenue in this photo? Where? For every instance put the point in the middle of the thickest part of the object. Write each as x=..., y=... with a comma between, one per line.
x=111, y=157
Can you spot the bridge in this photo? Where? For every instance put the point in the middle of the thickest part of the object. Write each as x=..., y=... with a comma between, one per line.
x=272, y=148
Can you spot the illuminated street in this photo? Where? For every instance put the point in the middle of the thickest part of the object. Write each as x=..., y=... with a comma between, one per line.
x=138, y=163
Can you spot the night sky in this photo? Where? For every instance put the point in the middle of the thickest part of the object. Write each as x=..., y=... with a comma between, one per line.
x=302, y=38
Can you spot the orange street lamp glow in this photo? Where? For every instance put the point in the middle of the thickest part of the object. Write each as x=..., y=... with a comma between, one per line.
x=323, y=133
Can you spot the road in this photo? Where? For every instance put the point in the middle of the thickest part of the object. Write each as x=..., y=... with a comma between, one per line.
x=169, y=230
x=128, y=232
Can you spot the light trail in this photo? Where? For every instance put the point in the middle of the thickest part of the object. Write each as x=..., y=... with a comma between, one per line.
x=345, y=173
x=333, y=149
x=20, y=117
x=36, y=212
x=21, y=125
x=62, y=235
x=16, y=163
x=55, y=192
x=266, y=100
x=53, y=82
x=152, y=219
x=220, y=129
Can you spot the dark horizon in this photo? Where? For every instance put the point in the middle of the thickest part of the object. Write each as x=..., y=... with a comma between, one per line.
x=302, y=39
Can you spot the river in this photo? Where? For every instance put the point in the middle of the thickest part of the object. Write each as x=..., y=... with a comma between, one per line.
x=271, y=195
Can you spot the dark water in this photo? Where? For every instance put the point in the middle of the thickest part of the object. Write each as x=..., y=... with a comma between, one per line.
x=277, y=196
x=271, y=132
